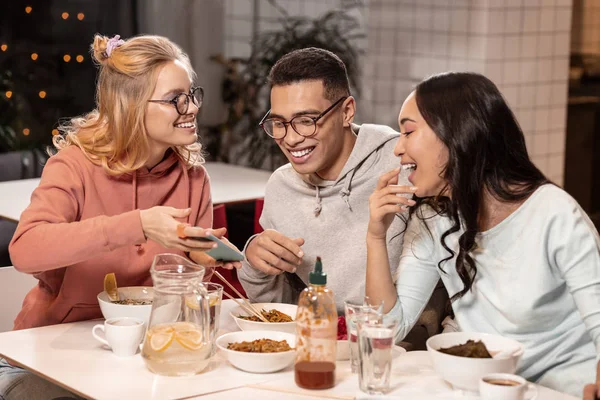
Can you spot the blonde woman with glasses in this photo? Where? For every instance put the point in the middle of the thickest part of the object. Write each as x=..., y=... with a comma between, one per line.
x=123, y=178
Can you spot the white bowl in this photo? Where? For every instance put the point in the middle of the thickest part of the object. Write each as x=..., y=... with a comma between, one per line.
x=465, y=373
x=245, y=325
x=260, y=363
x=112, y=310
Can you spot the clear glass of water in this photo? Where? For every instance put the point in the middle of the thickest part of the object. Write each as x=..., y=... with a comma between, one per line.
x=215, y=296
x=375, y=345
x=369, y=310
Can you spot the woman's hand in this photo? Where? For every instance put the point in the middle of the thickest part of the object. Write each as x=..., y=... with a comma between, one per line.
x=592, y=391
x=385, y=203
x=160, y=224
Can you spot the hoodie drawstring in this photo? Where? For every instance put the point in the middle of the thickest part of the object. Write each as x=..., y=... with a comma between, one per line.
x=186, y=183
x=345, y=192
x=318, y=207
x=139, y=247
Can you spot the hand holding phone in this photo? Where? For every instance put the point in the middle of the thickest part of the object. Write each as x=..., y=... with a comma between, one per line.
x=222, y=252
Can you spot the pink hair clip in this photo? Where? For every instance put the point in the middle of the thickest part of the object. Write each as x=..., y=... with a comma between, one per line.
x=112, y=44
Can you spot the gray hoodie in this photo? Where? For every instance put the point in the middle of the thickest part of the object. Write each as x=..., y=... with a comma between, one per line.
x=332, y=218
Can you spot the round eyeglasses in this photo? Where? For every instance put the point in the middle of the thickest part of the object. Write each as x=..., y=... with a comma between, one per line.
x=182, y=100
x=303, y=125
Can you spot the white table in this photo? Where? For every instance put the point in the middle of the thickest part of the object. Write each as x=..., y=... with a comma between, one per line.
x=68, y=355
x=229, y=184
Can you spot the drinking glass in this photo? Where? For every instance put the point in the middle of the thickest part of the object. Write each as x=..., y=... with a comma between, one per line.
x=369, y=310
x=375, y=345
x=215, y=297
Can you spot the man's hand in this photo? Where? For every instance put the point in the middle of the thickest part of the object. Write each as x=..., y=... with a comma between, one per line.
x=273, y=253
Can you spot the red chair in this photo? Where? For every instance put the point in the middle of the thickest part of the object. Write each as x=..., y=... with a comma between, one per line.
x=220, y=221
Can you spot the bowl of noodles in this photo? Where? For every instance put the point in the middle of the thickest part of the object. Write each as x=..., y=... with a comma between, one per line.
x=280, y=316
x=259, y=352
x=134, y=301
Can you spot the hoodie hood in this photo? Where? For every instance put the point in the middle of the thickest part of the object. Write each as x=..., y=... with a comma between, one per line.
x=369, y=139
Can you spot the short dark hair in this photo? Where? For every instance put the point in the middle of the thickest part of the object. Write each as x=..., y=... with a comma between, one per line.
x=312, y=64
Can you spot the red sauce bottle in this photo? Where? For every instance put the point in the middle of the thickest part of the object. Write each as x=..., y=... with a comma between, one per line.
x=316, y=333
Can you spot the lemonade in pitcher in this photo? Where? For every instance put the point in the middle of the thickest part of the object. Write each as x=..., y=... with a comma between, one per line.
x=176, y=349
x=178, y=339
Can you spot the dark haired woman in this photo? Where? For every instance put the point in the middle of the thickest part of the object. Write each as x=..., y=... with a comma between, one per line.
x=518, y=255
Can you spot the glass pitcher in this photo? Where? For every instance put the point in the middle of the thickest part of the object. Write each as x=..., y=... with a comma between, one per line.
x=177, y=341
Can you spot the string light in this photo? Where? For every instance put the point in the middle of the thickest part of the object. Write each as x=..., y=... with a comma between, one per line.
x=79, y=58
x=80, y=16
x=8, y=94
x=28, y=9
x=67, y=58
x=65, y=15
x=3, y=47
x=26, y=131
x=34, y=56
x=42, y=94
x=54, y=132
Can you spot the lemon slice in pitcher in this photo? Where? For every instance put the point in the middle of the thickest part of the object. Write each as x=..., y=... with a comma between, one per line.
x=161, y=337
x=110, y=286
x=191, y=340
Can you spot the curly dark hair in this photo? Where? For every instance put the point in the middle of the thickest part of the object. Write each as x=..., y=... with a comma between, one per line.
x=487, y=152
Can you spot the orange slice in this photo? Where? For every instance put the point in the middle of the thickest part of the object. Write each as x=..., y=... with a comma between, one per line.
x=161, y=338
x=110, y=286
x=191, y=340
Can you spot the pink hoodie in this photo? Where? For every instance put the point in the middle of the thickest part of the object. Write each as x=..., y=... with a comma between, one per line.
x=82, y=224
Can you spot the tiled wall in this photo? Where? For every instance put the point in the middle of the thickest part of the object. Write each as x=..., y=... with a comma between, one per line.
x=521, y=45
x=240, y=23
x=585, y=36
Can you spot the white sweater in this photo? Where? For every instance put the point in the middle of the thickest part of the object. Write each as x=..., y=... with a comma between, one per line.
x=538, y=282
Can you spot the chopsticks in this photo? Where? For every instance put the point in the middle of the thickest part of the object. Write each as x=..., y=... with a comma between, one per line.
x=245, y=304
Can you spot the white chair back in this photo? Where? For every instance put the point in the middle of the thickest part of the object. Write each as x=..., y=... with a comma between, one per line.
x=14, y=285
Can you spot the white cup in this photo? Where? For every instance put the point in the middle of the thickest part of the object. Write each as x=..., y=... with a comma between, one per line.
x=506, y=387
x=123, y=335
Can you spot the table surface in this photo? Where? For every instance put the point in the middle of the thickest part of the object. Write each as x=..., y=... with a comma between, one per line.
x=68, y=355
x=229, y=184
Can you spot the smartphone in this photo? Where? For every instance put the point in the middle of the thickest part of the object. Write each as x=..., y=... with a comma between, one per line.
x=222, y=252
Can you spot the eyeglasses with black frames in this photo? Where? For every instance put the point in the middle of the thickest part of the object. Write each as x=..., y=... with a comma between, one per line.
x=182, y=100
x=304, y=125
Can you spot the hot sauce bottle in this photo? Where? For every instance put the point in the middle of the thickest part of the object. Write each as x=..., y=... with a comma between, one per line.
x=316, y=333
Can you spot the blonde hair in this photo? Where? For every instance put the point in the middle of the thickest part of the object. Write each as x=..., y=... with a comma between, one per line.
x=113, y=134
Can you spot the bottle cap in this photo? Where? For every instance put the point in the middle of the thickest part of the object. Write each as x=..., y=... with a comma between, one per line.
x=317, y=276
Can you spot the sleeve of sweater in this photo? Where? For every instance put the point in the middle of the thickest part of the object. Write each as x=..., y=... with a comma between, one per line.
x=261, y=287
x=574, y=249
x=50, y=233
x=416, y=276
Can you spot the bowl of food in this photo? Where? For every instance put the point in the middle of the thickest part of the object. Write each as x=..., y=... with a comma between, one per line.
x=134, y=301
x=280, y=316
x=463, y=358
x=258, y=351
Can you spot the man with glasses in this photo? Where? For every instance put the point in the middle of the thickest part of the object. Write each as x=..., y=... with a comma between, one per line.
x=318, y=204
